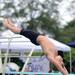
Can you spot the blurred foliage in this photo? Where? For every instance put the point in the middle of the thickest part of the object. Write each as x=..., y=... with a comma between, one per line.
x=37, y=14
x=70, y=30
x=68, y=36
x=45, y=23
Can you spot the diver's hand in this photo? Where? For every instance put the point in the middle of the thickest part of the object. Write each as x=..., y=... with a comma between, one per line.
x=7, y=23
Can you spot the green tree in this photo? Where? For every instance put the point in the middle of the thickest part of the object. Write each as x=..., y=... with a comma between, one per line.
x=34, y=14
x=68, y=36
x=70, y=30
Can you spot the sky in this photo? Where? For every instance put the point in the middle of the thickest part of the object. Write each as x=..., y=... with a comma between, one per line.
x=64, y=14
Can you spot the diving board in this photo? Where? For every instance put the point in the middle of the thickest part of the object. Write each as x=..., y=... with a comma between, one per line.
x=37, y=73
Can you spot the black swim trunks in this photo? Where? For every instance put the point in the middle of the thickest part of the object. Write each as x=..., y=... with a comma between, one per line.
x=30, y=35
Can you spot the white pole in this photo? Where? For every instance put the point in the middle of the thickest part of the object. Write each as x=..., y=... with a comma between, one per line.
x=6, y=55
x=70, y=62
x=7, y=52
x=1, y=66
x=30, y=54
